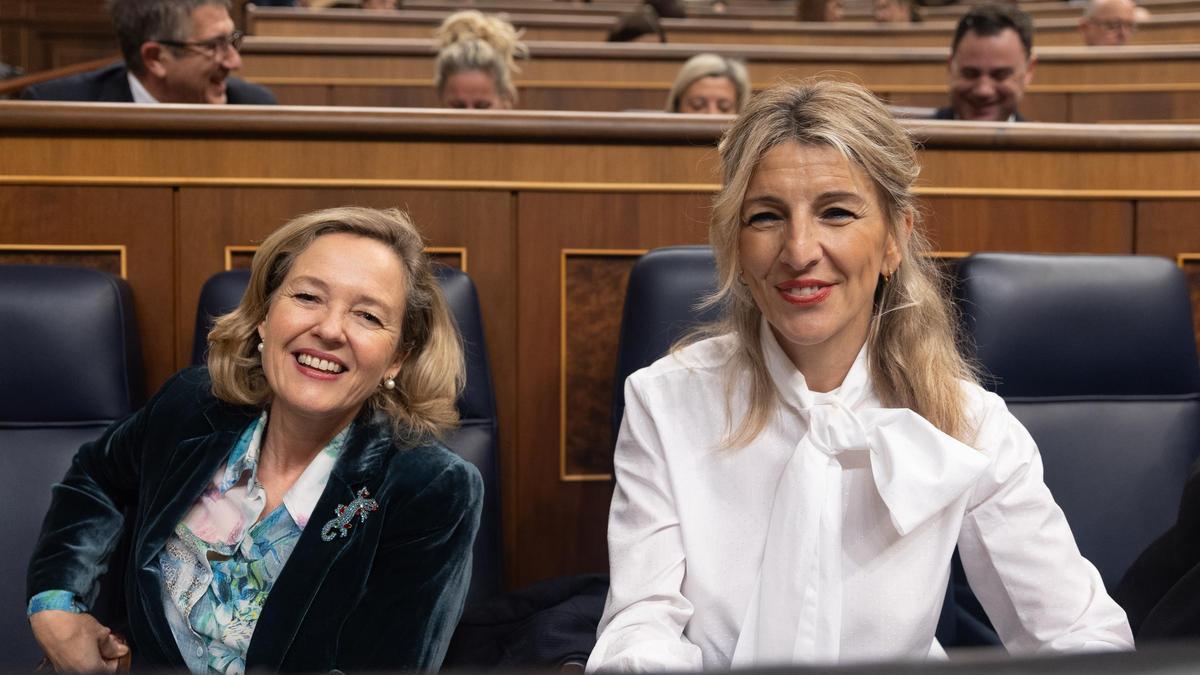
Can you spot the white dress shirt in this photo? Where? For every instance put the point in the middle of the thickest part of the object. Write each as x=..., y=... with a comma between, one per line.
x=829, y=537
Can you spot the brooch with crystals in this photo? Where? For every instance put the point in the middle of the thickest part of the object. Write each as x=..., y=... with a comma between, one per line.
x=340, y=525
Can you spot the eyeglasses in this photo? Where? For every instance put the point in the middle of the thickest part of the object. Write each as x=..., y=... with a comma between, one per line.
x=211, y=47
x=1114, y=25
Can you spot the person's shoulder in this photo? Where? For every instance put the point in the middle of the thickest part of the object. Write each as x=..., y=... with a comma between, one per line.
x=241, y=92
x=433, y=471
x=103, y=84
x=994, y=430
x=701, y=359
x=946, y=113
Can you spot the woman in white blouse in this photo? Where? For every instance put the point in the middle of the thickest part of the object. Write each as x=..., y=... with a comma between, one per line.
x=792, y=484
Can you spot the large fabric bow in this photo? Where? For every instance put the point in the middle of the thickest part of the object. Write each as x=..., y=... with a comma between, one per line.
x=795, y=613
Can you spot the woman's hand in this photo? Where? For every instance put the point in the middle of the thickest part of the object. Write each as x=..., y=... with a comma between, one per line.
x=77, y=642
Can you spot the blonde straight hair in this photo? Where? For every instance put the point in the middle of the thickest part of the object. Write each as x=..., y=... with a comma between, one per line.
x=423, y=404
x=912, y=344
x=705, y=65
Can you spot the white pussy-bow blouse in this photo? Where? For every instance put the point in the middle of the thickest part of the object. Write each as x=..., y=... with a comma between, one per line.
x=829, y=537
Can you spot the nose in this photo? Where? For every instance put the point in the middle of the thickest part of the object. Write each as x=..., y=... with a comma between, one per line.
x=711, y=108
x=231, y=59
x=800, y=248
x=330, y=327
x=985, y=88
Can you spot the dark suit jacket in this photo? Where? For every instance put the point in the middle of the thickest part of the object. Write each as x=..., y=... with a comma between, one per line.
x=111, y=85
x=387, y=596
x=947, y=113
x=1161, y=590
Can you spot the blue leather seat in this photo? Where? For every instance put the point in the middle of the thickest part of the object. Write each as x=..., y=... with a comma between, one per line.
x=665, y=285
x=1096, y=356
x=70, y=363
x=477, y=437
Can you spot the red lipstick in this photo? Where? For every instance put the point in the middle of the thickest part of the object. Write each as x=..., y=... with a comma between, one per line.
x=819, y=293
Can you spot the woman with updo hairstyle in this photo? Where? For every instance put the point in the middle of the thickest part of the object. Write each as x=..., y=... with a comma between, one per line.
x=476, y=61
x=289, y=507
x=792, y=480
x=710, y=84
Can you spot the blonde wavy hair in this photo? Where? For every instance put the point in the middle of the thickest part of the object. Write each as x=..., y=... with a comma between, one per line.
x=912, y=343
x=471, y=40
x=705, y=65
x=422, y=405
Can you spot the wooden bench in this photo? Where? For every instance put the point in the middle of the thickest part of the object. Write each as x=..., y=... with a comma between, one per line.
x=350, y=23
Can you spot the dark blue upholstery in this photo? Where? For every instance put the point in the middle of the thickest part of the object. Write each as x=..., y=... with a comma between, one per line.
x=476, y=438
x=664, y=288
x=1096, y=356
x=70, y=363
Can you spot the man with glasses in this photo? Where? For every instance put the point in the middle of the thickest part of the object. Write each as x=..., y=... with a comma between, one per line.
x=175, y=51
x=1108, y=22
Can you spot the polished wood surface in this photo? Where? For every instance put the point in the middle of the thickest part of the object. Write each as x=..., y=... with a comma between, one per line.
x=1043, y=103
x=545, y=205
x=772, y=10
x=372, y=60
x=43, y=34
x=415, y=23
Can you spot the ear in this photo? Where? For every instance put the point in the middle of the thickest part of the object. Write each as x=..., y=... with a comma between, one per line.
x=1029, y=66
x=152, y=56
x=893, y=252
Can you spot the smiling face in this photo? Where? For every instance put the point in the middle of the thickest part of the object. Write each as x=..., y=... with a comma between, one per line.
x=472, y=89
x=891, y=11
x=194, y=74
x=1109, y=22
x=713, y=95
x=813, y=243
x=988, y=76
x=332, y=331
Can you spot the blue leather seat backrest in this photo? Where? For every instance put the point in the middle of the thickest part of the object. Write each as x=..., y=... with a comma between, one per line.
x=70, y=363
x=1096, y=356
x=665, y=287
x=476, y=439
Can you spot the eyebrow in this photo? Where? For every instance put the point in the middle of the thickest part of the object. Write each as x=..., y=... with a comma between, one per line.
x=824, y=197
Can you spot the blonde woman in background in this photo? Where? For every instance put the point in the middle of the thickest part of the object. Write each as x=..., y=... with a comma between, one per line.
x=710, y=84
x=476, y=61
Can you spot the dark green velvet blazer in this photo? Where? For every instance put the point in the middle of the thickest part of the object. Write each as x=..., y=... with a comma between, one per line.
x=386, y=596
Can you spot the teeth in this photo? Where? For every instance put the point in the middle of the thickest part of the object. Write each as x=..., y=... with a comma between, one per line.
x=805, y=291
x=319, y=364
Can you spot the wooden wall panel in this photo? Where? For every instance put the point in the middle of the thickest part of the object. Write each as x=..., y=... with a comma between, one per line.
x=973, y=224
x=1168, y=227
x=560, y=525
x=141, y=219
x=593, y=286
x=410, y=23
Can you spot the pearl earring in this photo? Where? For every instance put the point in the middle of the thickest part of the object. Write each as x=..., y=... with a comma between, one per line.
x=389, y=384
x=260, y=347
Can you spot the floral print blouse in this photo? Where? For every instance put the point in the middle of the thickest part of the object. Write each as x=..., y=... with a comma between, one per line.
x=221, y=561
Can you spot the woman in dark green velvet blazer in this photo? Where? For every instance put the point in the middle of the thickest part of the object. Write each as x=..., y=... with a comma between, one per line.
x=340, y=364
